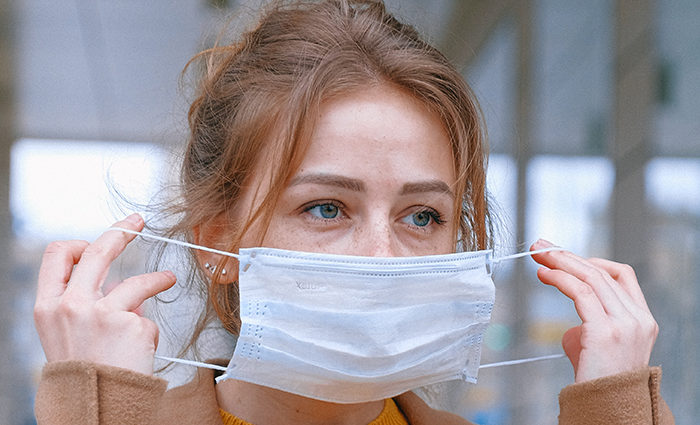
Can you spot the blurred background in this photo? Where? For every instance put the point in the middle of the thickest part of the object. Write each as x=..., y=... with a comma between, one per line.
x=593, y=110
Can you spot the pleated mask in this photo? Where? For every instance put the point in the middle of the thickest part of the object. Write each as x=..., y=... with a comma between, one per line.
x=352, y=329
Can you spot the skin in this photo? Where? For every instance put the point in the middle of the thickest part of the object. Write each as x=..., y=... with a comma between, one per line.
x=375, y=181
x=395, y=169
x=617, y=331
x=75, y=321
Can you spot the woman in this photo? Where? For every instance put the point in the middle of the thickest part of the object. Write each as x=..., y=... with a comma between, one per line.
x=330, y=128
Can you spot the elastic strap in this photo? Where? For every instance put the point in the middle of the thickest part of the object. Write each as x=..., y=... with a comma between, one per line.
x=514, y=362
x=176, y=242
x=191, y=363
x=526, y=253
x=483, y=366
x=230, y=254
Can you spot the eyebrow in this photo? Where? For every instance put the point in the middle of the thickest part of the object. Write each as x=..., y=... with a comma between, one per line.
x=329, y=180
x=427, y=186
x=356, y=185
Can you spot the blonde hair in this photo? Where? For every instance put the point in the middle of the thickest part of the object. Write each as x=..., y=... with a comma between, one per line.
x=257, y=100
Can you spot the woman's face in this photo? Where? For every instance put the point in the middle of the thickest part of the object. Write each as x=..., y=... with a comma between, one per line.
x=376, y=181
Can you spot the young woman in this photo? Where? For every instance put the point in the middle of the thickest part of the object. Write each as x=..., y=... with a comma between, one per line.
x=330, y=128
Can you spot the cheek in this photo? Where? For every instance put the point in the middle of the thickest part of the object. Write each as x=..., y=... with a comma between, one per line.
x=292, y=233
x=442, y=243
x=283, y=234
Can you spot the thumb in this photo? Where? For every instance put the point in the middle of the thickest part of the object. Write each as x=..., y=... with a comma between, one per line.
x=131, y=293
x=571, y=342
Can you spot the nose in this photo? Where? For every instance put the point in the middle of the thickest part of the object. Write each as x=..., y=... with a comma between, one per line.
x=377, y=239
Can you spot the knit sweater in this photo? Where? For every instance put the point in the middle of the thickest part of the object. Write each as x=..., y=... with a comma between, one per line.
x=391, y=415
x=76, y=392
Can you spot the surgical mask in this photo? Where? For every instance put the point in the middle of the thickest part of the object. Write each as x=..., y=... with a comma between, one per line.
x=351, y=329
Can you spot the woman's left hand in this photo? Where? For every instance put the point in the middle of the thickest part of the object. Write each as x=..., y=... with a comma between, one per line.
x=618, y=330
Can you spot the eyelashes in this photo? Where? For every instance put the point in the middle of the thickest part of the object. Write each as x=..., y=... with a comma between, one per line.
x=424, y=218
x=326, y=210
x=331, y=211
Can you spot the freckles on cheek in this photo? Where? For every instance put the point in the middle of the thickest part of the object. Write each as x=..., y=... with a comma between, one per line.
x=286, y=235
x=295, y=236
x=433, y=248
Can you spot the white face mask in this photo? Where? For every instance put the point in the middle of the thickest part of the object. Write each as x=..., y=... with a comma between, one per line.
x=353, y=329
x=349, y=329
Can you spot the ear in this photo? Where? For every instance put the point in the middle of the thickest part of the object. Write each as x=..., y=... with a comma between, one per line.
x=211, y=235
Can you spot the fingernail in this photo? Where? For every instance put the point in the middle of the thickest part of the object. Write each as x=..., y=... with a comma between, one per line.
x=134, y=218
x=544, y=243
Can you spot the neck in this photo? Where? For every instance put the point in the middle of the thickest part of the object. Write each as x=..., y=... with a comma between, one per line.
x=263, y=405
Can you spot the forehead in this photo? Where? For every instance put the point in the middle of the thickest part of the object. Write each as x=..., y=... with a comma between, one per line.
x=378, y=132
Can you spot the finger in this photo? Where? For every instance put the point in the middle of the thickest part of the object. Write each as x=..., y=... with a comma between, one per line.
x=92, y=269
x=57, y=266
x=612, y=282
x=586, y=301
x=599, y=277
x=130, y=294
x=613, y=298
x=625, y=276
x=571, y=343
x=620, y=278
x=560, y=259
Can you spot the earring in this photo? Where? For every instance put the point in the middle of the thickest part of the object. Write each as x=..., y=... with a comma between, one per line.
x=212, y=269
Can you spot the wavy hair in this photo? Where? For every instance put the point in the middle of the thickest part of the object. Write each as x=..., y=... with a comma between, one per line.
x=257, y=101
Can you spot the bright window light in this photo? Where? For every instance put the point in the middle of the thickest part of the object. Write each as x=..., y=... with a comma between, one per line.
x=501, y=182
x=673, y=185
x=62, y=189
x=567, y=200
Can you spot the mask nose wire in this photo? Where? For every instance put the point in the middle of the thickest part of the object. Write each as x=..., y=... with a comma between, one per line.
x=176, y=242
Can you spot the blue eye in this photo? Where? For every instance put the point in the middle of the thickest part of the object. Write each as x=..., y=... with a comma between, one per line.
x=420, y=218
x=326, y=211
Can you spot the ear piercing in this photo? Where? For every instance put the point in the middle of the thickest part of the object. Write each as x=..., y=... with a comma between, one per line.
x=212, y=268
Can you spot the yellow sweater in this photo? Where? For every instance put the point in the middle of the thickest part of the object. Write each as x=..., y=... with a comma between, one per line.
x=391, y=415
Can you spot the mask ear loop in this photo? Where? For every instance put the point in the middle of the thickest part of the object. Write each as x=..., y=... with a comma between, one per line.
x=514, y=362
x=525, y=254
x=176, y=242
x=490, y=261
x=191, y=363
x=187, y=245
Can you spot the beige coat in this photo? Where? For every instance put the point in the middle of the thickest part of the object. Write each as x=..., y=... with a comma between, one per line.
x=77, y=392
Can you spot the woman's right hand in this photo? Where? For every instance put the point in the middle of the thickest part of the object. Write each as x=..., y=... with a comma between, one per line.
x=76, y=321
